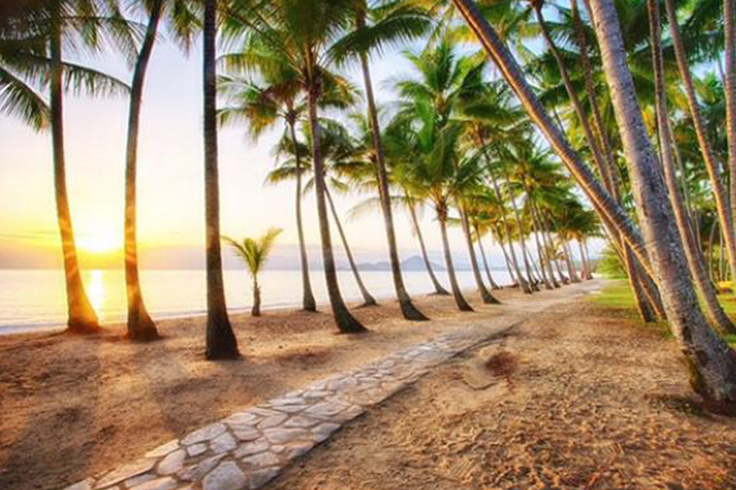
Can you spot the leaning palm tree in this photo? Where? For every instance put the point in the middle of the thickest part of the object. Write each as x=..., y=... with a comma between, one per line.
x=302, y=34
x=254, y=253
x=713, y=363
x=221, y=341
x=431, y=163
x=378, y=23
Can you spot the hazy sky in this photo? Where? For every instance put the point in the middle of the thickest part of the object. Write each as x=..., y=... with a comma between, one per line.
x=170, y=179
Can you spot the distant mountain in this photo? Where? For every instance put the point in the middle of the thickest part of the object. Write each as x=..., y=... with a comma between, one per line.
x=414, y=263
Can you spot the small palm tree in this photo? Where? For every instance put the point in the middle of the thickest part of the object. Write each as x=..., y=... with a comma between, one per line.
x=254, y=254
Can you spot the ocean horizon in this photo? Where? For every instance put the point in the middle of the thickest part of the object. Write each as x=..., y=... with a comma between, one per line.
x=34, y=299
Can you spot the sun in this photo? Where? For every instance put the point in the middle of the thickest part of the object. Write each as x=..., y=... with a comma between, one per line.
x=99, y=243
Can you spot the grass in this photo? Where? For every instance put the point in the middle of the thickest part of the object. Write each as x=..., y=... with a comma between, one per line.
x=617, y=295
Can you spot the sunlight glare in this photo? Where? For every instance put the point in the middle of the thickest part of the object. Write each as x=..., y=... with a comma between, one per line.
x=99, y=243
x=96, y=289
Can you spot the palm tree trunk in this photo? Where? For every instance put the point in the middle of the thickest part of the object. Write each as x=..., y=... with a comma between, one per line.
x=535, y=231
x=82, y=318
x=586, y=275
x=692, y=252
x=712, y=362
x=725, y=215
x=140, y=325
x=409, y=311
x=308, y=302
x=438, y=289
x=368, y=300
x=507, y=259
x=513, y=74
x=485, y=260
x=711, y=254
x=507, y=227
x=729, y=26
x=642, y=301
x=256, y=310
x=345, y=321
x=546, y=246
x=457, y=294
x=569, y=261
x=221, y=341
x=520, y=231
x=485, y=295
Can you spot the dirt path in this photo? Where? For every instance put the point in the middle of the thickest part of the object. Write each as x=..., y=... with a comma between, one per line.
x=575, y=398
x=72, y=407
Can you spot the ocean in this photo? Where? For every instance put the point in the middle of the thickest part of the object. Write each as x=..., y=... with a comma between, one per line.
x=35, y=299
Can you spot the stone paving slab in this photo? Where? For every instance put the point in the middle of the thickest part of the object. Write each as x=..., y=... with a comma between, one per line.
x=247, y=449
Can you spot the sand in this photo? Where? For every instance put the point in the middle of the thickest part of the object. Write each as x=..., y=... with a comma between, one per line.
x=74, y=406
x=578, y=397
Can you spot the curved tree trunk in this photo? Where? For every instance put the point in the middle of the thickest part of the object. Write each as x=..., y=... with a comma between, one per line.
x=408, y=309
x=513, y=74
x=221, y=341
x=546, y=247
x=485, y=295
x=724, y=213
x=507, y=259
x=692, y=251
x=308, y=302
x=345, y=321
x=520, y=231
x=485, y=260
x=368, y=300
x=82, y=318
x=507, y=227
x=585, y=273
x=438, y=289
x=140, y=325
x=571, y=271
x=457, y=294
x=712, y=362
x=729, y=26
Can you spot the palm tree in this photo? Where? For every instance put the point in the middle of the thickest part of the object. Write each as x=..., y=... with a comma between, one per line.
x=254, y=254
x=712, y=362
x=436, y=173
x=692, y=252
x=262, y=107
x=140, y=325
x=444, y=81
x=338, y=152
x=32, y=58
x=221, y=341
x=398, y=23
x=302, y=34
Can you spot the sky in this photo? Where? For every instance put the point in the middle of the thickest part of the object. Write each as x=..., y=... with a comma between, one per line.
x=170, y=179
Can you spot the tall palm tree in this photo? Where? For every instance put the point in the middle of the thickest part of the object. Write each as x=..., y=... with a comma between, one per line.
x=444, y=80
x=305, y=32
x=712, y=361
x=389, y=24
x=254, y=253
x=435, y=170
x=183, y=22
x=262, y=107
x=692, y=251
x=31, y=60
x=221, y=341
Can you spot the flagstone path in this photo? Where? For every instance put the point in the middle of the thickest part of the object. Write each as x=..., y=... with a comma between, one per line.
x=247, y=449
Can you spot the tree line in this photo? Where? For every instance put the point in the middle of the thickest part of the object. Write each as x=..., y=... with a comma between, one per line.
x=511, y=112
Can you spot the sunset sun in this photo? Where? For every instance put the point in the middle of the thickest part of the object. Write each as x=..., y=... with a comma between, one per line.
x=99, y=243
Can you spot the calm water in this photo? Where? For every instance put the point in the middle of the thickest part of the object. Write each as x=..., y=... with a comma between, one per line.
x=34, y=299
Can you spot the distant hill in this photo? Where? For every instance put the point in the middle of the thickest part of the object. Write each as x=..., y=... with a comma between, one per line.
x=414, y=263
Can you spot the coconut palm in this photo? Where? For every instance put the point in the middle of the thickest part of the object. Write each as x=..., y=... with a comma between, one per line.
x=438, y=176
x=444, y=79
x=254, y=253
x=378, y=23
x=304, y=35
x=221, y=341
x=32, y=60
x=183, y=21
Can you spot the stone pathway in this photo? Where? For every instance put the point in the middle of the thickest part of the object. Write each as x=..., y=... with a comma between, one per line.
x=249, y=448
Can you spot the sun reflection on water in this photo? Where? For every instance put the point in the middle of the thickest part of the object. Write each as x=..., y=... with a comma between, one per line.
x=96, y=289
